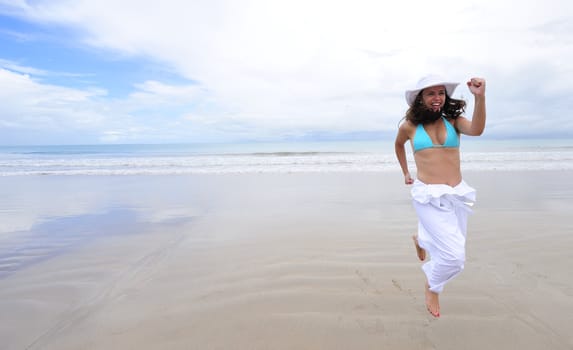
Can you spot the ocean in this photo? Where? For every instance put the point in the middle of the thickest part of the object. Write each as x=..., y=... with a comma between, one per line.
x=291, y=157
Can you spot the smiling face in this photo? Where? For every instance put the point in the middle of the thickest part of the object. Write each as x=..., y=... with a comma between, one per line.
x=434, y=98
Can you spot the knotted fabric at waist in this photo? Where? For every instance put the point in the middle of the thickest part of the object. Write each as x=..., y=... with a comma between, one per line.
x=444, y=196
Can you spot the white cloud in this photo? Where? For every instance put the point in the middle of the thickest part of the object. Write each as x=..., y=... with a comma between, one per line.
x=27, y=101
x=283, y=67
x=41, y=109
x=15, y=67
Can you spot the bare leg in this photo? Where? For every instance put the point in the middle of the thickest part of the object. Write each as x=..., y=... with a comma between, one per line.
x=419, y=250
x=432, y=302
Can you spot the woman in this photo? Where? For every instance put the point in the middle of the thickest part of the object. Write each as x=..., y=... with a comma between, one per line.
x=442, y=200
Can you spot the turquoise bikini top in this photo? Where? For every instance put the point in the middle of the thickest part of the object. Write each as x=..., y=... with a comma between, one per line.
x=422, y=140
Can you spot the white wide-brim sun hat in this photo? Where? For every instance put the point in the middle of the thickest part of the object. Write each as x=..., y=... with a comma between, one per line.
x=429, y=81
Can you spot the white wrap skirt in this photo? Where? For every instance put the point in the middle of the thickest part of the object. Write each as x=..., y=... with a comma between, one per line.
x=443, y=213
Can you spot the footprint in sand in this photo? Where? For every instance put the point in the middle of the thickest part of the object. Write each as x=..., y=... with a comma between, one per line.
x=397, y=285
x=368, y=283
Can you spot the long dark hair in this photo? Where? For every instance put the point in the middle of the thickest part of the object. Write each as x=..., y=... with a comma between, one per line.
x=419, y=114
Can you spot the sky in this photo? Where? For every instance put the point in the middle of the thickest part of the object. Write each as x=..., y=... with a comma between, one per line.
x=176, y=71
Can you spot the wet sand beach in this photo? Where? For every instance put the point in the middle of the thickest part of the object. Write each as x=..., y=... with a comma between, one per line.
x=276, y=261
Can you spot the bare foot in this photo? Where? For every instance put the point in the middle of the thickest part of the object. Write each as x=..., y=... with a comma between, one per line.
x=419, y=250
x=432, y=302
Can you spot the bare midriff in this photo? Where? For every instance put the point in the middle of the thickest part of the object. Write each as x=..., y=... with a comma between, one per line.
x=438, y=166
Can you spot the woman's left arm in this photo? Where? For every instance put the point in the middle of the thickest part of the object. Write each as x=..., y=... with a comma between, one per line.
x=476, y=126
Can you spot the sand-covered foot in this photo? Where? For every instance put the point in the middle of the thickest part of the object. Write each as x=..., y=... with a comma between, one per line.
x=432, y=302
x=419, y=250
